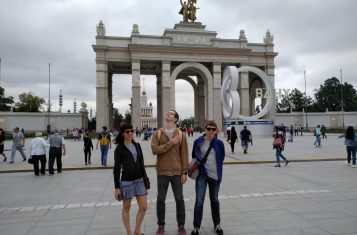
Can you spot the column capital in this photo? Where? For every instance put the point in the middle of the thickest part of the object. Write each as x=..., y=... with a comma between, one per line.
x=135, y=61
x=135, y=66
x=217, y=67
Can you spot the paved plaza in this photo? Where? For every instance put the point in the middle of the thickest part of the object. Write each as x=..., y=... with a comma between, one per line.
x=315, y=194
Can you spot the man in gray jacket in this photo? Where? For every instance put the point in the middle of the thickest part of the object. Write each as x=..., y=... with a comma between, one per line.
x=17, y=144
x=57, y=148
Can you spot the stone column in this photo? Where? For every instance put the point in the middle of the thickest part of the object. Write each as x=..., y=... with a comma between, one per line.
x=84, y=119
x=159, y=100
x=110, y=100
x=244, y=93
x=166, y=94
x=217, y=106
x=102, y=100
x=135, y=87
x=270, y=72
x=201, y=103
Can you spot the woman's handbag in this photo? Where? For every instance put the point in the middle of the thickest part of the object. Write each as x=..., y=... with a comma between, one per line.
x=195, y=164
x=277, y=143
x=30, y=160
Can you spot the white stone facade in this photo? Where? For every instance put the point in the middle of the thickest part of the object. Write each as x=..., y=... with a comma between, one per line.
x=185, y=51
x=38, y=121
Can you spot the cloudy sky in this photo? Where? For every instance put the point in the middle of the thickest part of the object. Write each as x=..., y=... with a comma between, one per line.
x=319, y=36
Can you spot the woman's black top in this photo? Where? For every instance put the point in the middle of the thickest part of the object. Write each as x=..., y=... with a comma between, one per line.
x=87, y=143
x=234, y=136
x=124, y=161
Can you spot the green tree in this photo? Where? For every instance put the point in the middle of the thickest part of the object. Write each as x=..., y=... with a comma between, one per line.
x=92, y=124
x=127, y=117
x=117, y=117
x=28, y=102
x=298, y=100
x=328, y=96
x=5, y=102
x=187, y=122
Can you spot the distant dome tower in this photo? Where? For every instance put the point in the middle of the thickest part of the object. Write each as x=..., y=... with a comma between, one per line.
x=146, y=110
x=60, y=101
x=75, y=106
x=90, y=113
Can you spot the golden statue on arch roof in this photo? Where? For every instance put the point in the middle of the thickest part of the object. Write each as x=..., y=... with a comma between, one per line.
x=188, y=10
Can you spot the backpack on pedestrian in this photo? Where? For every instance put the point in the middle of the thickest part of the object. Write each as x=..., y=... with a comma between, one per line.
x=104, y=140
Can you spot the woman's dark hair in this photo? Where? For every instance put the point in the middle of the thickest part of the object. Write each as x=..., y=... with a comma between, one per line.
x=120, y=137
x=350, y=133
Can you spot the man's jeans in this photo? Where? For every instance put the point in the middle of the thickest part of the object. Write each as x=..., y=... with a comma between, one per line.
x=13, y=151
x=318, y=141
x=213, y=187
x=351, y=150
x=104, y=151
x=162, y=186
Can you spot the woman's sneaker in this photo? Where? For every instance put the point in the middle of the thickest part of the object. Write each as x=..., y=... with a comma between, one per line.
x=160, y=230
x=181, y=230
x=218, y=230
x=195, y=231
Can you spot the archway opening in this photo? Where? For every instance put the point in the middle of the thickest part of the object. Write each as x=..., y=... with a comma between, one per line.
x=185, y=100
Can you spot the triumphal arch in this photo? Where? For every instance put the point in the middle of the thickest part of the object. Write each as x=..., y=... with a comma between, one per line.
x=187, y=51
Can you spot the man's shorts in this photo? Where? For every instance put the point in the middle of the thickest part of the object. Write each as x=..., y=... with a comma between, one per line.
x=245, y=143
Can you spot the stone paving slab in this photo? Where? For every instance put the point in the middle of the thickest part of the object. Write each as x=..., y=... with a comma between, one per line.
x=260, y=152
x=302, y=198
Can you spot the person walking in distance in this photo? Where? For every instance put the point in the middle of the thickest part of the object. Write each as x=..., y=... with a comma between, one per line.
x=57, y=149
x=105, y=143
x=317, y=133
x=350, y=142
x=170, y=146
x=245, y=138
x=87, y=148
x=301, y=129
x=17, y=144
x=129, y=173
x=233, y=138
x=228, y=133
x=278, y=145
x=38, y=153
x=323, y=132
x=2, y=143
x=210, y=175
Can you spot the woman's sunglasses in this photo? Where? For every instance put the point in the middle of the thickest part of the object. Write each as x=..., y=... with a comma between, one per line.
x=129, y=131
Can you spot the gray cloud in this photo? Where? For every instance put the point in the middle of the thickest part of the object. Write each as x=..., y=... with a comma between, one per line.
x=317, y=36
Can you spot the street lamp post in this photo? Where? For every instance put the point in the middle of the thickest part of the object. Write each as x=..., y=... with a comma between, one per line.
x=0, y=72
x=343, y=118
x=305, y=101
x=49, y=100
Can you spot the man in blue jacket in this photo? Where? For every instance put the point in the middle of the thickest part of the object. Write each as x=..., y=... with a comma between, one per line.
x=210, y=174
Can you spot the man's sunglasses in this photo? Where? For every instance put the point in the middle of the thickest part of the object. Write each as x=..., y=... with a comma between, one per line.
x=211, y=128
x=129, y=131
